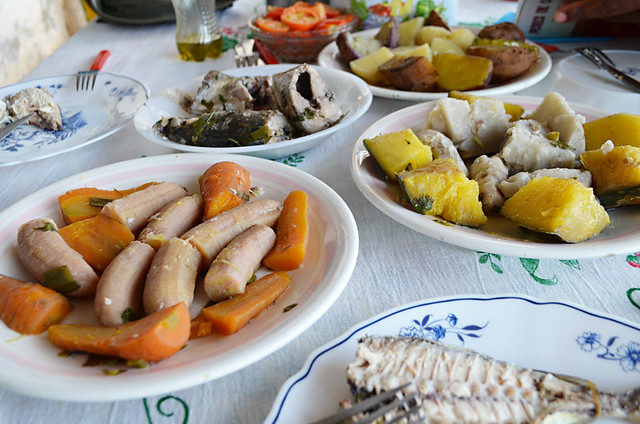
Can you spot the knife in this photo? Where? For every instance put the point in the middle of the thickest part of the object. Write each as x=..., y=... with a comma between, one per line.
x=12, y=126
x=616, y=73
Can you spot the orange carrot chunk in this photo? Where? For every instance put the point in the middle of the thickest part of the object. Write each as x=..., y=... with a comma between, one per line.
x=98, y=239
x=231, y=315
x=200, y=327
x=224, y=186
x=292, y=234
x=152, y=338
x=85, y=202
x=30, y=308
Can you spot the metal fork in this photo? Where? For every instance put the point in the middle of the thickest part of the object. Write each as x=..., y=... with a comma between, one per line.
x=604, y=62
x=86, y=79
x=244, y=54
x=406, y=407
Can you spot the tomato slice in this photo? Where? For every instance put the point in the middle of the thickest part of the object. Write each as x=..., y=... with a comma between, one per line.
x=271, y=25
x=332, y=12
x=330, y=24
x=300, y=18
x=274, y=13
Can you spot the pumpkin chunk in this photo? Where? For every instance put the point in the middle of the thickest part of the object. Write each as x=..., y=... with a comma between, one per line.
x=440, y=188
x=558, y=206
x=398, y=151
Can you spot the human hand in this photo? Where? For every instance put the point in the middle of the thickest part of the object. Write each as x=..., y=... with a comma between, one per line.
x=574, y=10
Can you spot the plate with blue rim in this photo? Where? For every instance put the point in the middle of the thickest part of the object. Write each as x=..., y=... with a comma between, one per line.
x=87, y=116
x=553, y=336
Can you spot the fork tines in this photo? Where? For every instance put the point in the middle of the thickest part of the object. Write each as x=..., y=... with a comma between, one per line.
x=86, y=79
x=404, y=407
x=595, y=55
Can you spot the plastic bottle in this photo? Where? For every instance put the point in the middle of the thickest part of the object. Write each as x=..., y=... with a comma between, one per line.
x=197, y=33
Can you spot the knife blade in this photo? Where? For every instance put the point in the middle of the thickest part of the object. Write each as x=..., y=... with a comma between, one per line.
x=13, y=125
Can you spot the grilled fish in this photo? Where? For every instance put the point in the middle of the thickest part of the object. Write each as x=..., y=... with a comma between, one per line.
x=304, y=97
x=458, y=385
x=227, y=129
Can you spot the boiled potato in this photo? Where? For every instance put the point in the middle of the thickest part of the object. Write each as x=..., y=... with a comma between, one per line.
x=409, y=30
x=443, y=45
x=462, y=37
x=367, y=67
x=461, y=72
x=427, y=33
x=508, y=61
x=421, y=50
x=411, y=73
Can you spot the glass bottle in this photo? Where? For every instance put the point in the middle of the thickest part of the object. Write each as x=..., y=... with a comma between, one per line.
x=197, y=32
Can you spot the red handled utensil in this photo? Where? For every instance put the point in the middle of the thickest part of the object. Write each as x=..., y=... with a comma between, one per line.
x=84, y=79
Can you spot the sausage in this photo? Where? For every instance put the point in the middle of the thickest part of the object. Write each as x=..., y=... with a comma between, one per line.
x=173, y=220
x=135, y=209
x=212, y=235
x=172, y=276
x=52, y=262
x=119, y=291
x=235, y=264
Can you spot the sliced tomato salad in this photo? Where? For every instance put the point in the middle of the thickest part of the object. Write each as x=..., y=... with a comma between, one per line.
x=303, y=17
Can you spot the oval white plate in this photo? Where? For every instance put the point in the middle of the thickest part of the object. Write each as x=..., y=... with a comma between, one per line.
x=87, y=116
x=531, y=333
x=31, y=365
x=499, y=235
x=352, y=93
x=329, y=57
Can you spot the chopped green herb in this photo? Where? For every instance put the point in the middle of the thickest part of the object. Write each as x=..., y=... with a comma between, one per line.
x=423, y=204
x=47, y=226
x=60, y=280
x=289, y=307
x=98, y=201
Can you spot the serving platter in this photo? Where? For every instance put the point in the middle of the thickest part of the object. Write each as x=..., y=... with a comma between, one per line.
x=351, y=92
x=499, y=235
x=329, y=57
x=555, y=336
x=87, y=116
x=31, y=365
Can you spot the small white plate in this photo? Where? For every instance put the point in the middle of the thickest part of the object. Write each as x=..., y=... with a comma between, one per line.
x=577, y=78
x=31, y=365
x=499, y=235
x=557, y=337
x=87, y=116
x=352, y=93
x=329, y=57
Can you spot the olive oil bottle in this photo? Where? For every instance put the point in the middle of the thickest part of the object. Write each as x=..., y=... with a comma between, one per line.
x=197, y=33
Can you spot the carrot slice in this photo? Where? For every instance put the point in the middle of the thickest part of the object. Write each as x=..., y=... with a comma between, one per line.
x=85, y=202
x=224, y=186
x=200, y=327
x=231, y=315
x=292, y=234
x=30, y=308
x=152, y=338
x=98, y=239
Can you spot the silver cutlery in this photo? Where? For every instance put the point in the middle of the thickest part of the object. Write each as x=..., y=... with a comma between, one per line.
x=244, y=54
x=86, y=80
x=13, y=125
x=604, y=62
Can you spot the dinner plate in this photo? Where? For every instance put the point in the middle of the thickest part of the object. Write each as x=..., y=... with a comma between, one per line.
x=329, y=57
x=31, y=365
x=352, y=93
x=499, y=235
x=552, y=336
x=87, y=116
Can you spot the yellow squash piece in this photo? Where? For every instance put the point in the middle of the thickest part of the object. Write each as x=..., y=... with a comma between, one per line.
x=441, y=189
x=621, y=128
x=462, y=72
x=615, y=175
x=398, y=151
x=367, y=66
x=559, y=206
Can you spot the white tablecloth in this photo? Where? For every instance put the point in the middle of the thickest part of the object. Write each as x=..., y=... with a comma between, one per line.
x=395, y=265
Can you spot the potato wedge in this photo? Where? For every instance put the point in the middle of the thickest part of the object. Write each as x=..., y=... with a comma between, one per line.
x=411, y=73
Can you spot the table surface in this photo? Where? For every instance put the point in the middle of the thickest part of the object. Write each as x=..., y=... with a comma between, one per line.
x=385, y=276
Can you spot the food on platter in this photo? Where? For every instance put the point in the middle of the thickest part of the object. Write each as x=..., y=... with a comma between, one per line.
x=154, y=248
x=621, y=128
x=530, y=167
x=458, y=385
x=559, y=206
x=463, y=60
x=229, y=111
x=616, y=173
x=38, y=100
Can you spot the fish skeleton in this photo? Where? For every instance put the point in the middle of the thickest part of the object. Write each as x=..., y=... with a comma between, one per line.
x=459, y=385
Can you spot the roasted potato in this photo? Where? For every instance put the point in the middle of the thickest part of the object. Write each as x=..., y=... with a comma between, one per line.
x=503, y=31
x=410, y=73
x=508, y=61
x=435, y=20
x=352, y=47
